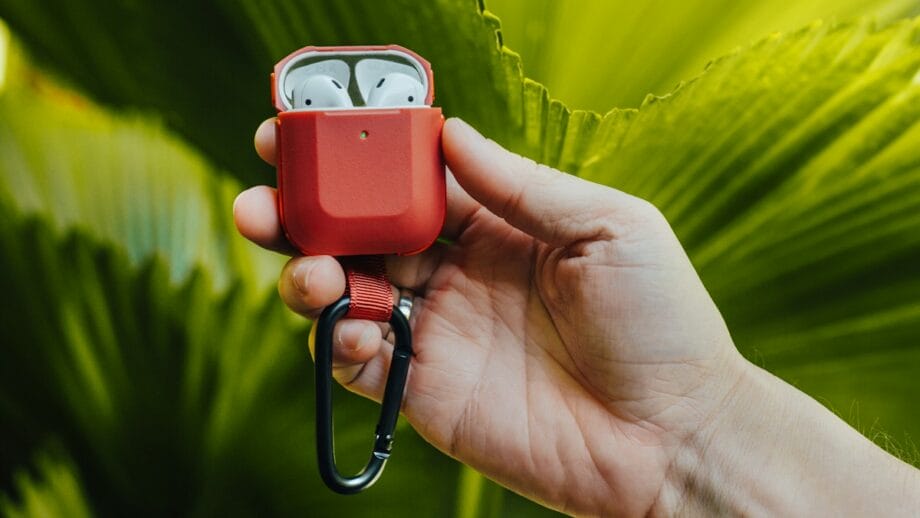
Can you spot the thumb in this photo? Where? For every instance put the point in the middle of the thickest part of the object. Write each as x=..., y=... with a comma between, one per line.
x=554, y=207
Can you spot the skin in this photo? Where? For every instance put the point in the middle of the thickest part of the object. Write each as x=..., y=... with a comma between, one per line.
x=566, y=348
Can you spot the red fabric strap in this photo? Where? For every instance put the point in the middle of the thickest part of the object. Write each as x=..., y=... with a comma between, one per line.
x=368, y=287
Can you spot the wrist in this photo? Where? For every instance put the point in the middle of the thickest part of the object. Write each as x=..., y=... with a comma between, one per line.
x=769, y=449
x=694, y=474
x=715, y=470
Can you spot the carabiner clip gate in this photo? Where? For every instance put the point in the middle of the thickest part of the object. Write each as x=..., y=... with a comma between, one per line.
x=389, y=413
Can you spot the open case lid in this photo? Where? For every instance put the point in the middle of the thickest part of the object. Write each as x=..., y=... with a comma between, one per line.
x=357, y=67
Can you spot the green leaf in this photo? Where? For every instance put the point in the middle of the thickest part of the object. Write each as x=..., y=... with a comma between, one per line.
x=4, y=52
x=477, y=496
x=171, y=400
x=790, y=171
x=211, y=84
x=127, y=181
x=146, y=345
x=205, y=67
x=102, y=51
x=651, y=46
x=55, y=490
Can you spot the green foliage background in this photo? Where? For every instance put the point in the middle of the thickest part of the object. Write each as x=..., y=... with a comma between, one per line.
x=147, y=366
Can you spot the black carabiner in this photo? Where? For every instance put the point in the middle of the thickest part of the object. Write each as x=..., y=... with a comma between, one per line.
x=389, y=413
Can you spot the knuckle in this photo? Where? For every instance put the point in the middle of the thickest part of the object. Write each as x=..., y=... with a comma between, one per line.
x=640, y=217
x=545, y=176
x=536, y=176
x=348, y=376
x=647, y=212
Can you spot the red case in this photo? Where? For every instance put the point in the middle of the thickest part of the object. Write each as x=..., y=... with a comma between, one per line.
x=360, y=181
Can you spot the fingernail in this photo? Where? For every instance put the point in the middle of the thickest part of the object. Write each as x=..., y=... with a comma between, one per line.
x=464, y=126
x=235, y=201
x=337, y=334
x=301, y=277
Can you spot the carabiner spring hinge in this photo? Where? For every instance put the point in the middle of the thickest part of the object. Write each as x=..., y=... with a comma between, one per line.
x=383, y=445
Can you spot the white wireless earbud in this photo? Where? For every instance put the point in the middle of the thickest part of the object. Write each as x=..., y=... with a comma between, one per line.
x=396, y=89
x=321, y=91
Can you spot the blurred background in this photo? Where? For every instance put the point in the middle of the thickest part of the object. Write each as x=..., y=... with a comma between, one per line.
x=147, y=366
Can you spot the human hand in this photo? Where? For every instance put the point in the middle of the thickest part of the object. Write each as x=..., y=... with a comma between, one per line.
x=564, y=345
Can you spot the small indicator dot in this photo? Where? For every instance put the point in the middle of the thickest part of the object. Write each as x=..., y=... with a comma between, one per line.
x=363, y=135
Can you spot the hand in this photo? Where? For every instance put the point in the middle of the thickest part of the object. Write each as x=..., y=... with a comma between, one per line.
x=565, y=346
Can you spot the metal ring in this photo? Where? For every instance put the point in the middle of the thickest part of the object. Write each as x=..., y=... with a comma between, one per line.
x=406, y=300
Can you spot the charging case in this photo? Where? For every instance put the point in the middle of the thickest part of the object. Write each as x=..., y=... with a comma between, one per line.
x=358, y=180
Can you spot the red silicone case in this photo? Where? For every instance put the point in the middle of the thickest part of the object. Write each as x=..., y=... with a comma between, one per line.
x=360, y=181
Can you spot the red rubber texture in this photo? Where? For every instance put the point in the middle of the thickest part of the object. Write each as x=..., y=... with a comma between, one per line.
x=361, y=182
x=368, y=288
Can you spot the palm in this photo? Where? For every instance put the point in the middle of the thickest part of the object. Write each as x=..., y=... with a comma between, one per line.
x=561, y=341
x=499, y=381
